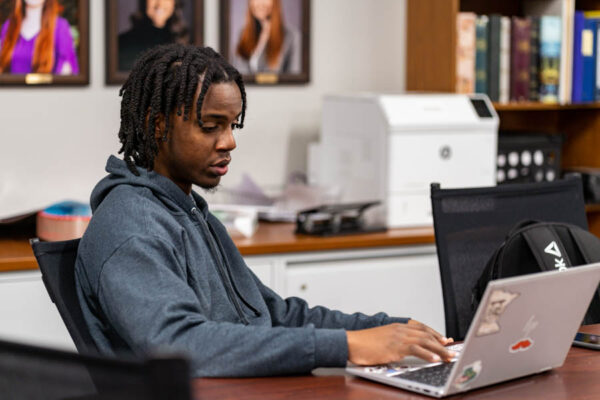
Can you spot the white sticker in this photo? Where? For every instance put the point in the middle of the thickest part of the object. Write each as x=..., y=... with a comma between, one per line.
x=497, y=303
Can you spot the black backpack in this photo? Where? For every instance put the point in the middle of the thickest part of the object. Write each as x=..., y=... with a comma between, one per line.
x=533, y=246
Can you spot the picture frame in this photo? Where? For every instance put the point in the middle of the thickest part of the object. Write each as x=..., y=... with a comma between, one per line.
x=241, y=45
x=68, y=62
x=130, y=30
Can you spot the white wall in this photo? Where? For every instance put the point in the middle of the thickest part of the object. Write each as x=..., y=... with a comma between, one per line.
x=54, y=141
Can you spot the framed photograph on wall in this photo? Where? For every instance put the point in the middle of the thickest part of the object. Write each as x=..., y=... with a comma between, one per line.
x=44, y=42
x=134, y=26
x=267, y=40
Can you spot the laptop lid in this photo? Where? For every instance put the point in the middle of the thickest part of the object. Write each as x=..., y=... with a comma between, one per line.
x=523, y=325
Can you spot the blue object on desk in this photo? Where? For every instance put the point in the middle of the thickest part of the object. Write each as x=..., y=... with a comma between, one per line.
x=69, y=208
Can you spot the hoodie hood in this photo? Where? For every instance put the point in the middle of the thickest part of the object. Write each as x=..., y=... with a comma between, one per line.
x=161, y=186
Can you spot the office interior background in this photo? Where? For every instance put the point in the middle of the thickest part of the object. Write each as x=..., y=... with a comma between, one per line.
x=355, y=45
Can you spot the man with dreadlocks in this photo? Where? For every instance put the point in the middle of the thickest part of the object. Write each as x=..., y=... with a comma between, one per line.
x=156, y=270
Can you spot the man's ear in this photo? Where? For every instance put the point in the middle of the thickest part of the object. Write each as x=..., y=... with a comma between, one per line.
x=159, y=126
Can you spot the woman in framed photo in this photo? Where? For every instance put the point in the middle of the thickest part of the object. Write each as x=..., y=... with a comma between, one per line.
x=266, y=44
x=36, y=39
x=154, y=22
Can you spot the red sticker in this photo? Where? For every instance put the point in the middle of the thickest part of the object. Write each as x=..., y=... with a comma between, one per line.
x=521, y=345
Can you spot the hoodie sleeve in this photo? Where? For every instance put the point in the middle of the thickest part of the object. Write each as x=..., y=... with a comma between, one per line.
x=294, y=312
x=143, y=292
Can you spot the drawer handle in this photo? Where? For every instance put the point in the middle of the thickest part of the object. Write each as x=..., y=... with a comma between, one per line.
x=303, y=287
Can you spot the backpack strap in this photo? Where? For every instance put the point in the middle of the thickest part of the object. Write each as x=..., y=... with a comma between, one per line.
x=589, y=247
x=547, y=248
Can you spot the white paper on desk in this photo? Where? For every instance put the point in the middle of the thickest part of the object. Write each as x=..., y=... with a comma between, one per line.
x=294, y=198
x=240, y=218
x=247, y=192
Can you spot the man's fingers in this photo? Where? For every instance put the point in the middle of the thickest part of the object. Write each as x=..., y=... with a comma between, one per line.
x=421, y=326
x=421, y=352
x=441, y=351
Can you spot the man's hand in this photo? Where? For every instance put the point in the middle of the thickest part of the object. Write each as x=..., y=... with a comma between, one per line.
x=390, y=343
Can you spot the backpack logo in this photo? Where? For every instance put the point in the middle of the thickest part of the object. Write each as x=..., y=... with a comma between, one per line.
x=559, y=262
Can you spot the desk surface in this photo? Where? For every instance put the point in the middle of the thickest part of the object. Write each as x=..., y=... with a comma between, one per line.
x=270, y=238
x=578, y=378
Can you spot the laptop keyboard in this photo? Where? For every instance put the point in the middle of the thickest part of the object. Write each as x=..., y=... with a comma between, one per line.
x=433, y=376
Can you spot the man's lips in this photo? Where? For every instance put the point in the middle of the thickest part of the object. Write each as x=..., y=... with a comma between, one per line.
x=220, y=168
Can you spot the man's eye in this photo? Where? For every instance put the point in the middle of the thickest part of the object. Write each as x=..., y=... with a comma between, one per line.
x=209, y=128
x=236, y=125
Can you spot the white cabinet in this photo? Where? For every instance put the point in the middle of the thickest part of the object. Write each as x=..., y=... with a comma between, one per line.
x=401, y=281
x=27, y=313
x=264, y=268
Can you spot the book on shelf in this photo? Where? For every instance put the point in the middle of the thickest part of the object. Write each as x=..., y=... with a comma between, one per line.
x=520, y=58
x=494, y=57
x=577, y=78
x=596, y=15
x=534, y=60
x=550, y=51
x=481, y=46
x=465, y=54
x=588, y=52
x=566, y=71
x=504, y=84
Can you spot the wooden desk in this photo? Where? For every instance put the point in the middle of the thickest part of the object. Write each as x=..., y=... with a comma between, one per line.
x=578, y=378
x=16, y=254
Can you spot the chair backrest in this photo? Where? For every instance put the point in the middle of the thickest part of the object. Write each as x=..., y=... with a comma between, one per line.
x=471, y=223
x=32, y=372
x=57, y=264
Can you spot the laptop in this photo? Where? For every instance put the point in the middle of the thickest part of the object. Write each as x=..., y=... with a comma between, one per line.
x=524, y=325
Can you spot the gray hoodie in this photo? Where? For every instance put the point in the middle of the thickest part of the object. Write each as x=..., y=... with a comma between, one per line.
x=156, y=271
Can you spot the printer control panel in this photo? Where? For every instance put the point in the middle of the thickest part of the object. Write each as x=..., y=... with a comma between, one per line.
x=481, y=108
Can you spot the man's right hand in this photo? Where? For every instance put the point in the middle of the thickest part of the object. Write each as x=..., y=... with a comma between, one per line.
x=391, y=343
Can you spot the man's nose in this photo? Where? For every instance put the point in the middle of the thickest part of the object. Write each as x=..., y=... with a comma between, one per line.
x=226, y=141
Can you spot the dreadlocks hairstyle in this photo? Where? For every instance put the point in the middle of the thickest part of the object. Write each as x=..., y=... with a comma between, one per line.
x=163, y=80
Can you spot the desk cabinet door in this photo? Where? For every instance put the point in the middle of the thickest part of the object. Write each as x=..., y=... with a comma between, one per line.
x=262, y=268
x=401, y=286
x=27, y=313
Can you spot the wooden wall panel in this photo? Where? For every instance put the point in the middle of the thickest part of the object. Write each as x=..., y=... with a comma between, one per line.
x=431, y=45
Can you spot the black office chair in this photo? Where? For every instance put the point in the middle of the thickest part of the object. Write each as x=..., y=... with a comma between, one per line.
x=471, y=223
x=57, y=263
x=32, y=372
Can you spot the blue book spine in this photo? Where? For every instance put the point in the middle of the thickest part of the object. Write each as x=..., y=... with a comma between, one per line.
x=577, y=84
x=597, y=47
x=588, y=51
x=481, y=45
x=550, y=41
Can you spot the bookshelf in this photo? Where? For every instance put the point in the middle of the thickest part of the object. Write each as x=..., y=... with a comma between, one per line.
x=431, y=67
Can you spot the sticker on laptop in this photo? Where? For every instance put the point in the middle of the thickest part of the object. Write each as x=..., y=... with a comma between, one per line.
x=388, y=370
x=380, y=369
x=526, y=342
x=497, y=303
x=468, y=375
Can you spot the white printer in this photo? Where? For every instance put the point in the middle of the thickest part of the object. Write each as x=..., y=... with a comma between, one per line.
x=391, y=147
